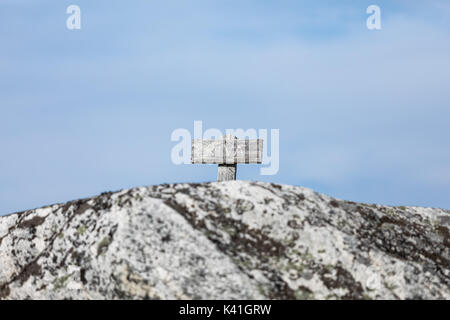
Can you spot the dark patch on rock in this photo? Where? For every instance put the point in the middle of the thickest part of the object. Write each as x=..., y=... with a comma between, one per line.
x=244, y=206
x=32, y=223
x=279, y=290
x=83, y=276
x=31, y=269
x=41, y=287
x=303, y=293
x=276, y=186
x=334, y=203
x=293, y=224
x=103, y=202
x=363, y=260
x=103, y=246
x=77, y=257
x=178, y=208
x=4, y=291
x=82, y=207
x=66, y=207
x=62, y=264
x=342, y=279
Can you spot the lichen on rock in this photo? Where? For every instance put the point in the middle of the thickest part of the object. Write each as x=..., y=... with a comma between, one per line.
x=228, y=240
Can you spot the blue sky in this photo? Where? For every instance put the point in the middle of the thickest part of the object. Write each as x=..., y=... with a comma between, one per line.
x=363, y=115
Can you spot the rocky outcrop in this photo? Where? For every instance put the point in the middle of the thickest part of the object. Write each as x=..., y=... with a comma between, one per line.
x=229, y=240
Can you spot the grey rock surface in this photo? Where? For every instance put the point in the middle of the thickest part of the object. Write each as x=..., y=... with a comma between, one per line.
x=227, y=240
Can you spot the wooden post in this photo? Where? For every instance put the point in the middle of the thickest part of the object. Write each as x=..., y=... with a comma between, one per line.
x=227, y=153
x=226, y=172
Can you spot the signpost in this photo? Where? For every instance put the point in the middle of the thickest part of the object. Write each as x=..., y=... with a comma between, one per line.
x=227, y=153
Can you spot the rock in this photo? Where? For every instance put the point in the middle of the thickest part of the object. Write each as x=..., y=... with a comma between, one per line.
x=227, y=240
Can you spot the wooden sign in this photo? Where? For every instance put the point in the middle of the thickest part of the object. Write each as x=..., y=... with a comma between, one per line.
x=227, y=153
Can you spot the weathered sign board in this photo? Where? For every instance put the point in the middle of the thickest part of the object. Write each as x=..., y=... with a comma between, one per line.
x=227, y=153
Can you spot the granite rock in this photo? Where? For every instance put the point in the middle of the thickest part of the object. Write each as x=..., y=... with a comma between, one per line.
x=227, y=240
